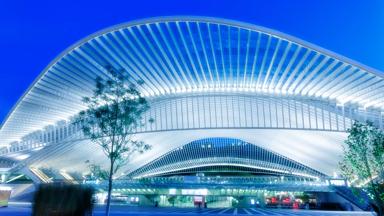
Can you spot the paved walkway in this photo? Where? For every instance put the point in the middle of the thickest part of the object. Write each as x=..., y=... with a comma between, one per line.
x=25, y=210
x=226, y=211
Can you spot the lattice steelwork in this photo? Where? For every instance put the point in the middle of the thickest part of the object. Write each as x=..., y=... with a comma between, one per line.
x=187, y=55
x=6, y=162
x=245, y=111
x=220, y=111
x=216, y=152
x=199, y=73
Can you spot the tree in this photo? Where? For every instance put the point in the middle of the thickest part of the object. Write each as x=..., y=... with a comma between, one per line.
x=97, y=173
x=113, y=113
x=363, y=160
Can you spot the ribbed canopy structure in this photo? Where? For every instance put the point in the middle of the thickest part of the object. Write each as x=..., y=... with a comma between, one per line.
x=218, y=152
x=204, y=78
x=178, y=55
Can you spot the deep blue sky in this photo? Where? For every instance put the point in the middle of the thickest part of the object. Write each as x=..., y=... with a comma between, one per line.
x=32, y=33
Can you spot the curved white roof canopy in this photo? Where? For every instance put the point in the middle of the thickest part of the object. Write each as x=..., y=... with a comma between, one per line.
x=192, y=54
x=218, y=152
x=319, y=150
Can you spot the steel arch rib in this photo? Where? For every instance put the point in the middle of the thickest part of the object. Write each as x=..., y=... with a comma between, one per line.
x=168, y=71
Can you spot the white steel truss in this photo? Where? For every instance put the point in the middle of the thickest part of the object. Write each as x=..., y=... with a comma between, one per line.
x=216, y=152
x=177, y=55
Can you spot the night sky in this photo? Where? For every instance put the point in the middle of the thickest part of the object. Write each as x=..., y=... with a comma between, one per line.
x=33, y=33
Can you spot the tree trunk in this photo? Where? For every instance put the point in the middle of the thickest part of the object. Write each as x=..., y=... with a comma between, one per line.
x=109, y=190
x=376, y=193
x=379, y=203
x=380, y=209
x=377, y=199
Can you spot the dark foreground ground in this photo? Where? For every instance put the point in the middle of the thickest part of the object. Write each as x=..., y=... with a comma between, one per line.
x=25, y=210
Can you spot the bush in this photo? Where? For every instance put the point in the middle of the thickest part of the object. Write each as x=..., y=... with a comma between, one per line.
x=62, y=200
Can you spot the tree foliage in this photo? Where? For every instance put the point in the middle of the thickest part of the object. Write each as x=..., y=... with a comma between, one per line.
x=113, y=113
x=97, y=173
x=363, y=160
